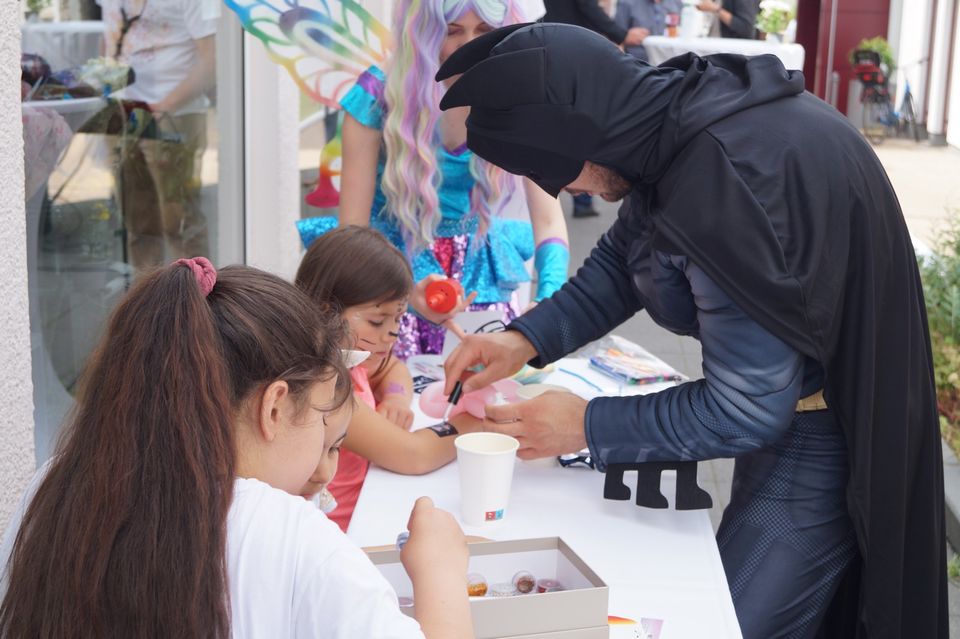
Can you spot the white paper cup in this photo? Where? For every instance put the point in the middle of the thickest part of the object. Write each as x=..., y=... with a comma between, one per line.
x=486, y=472
x=529, y=391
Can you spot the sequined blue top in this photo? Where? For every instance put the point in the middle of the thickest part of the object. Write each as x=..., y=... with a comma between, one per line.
x=493, y=268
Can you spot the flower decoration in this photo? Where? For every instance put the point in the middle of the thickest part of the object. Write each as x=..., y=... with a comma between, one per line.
x=774, y=16
x=105, y=75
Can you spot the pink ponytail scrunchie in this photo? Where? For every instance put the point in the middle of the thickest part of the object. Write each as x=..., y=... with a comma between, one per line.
x=202, y=270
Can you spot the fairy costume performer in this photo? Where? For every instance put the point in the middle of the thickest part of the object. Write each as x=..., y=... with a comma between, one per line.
x=407, y=173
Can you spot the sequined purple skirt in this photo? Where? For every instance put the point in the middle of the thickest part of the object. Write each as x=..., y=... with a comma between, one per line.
x=419, y=336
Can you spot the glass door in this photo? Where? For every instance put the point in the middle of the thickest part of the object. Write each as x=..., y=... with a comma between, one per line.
x=133, y=143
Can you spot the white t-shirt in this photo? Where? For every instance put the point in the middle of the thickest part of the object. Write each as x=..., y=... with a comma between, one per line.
x=160, y=46
x=292, y=572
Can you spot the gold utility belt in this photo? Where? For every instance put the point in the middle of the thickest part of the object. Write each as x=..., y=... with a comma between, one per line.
x=812, y=402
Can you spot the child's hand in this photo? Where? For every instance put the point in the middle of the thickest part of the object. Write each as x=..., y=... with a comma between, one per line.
x=396, y=408
x=436, y=544
x=418, y=300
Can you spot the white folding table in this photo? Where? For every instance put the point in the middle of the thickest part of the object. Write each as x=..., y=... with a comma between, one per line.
x=661, y=564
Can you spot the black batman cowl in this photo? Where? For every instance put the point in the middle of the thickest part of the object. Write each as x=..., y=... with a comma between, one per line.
x=545, y=98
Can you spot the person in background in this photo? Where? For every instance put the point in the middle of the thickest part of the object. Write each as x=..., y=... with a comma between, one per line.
x=737, y=18
x=591, y=15
x=645, y=14
x=171, y=48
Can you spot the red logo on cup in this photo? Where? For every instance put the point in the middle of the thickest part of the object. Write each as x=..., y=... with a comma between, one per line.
x=493, y=515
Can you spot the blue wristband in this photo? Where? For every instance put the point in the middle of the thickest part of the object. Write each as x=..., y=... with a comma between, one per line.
x=551, y=260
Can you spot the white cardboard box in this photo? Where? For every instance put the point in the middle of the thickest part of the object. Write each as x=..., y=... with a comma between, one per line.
x=578, y=612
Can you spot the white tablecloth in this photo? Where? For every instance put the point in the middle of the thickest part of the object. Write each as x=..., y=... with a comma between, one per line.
x=661, y=564
x=661, y=48
x=75, y=111
x=63, y=44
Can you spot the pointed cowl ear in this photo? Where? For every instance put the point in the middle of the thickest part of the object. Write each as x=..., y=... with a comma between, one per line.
x=501, y=82
x=546, y=143
x=556, y=128
x=475, y=51
x=550, y=171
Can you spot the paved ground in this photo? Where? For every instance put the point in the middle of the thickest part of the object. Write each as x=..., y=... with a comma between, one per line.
x=926, y=182
x=925, y=179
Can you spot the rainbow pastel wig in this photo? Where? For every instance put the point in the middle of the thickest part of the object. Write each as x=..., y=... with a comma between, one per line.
x=410, y=131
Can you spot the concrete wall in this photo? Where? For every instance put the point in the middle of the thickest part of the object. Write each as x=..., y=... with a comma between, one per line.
x=953, y=106
x=16, y=389
x=272, y=182
x=910, y=38
x=910, y=27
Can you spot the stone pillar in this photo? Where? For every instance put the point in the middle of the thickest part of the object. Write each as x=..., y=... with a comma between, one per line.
x=16, y=389
x=939, y=69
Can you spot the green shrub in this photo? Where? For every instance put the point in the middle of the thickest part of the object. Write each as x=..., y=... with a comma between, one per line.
x=953, y=567
x=940, y=273
x=36, y=6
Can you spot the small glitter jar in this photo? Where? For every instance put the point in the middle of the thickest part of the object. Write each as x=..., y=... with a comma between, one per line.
x=476, y=585
x=524, y=582
x=503, y=590
x=548, y=585
x=405, y=602
x=325, y=501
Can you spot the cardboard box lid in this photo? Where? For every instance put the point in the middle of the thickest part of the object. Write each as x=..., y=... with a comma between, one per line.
x=493, y=617
x=598, y=632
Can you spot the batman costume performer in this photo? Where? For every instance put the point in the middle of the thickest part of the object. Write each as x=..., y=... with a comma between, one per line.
x=763, y=224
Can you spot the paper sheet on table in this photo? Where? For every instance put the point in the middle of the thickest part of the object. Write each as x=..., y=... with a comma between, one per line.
x=661, y=612
x=470, y=322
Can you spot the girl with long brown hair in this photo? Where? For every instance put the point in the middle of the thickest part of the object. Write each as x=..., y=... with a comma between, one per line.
x=357, y=272
x=170, y=507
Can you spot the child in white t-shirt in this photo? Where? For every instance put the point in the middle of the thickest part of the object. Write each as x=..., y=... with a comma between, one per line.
x=172, y=507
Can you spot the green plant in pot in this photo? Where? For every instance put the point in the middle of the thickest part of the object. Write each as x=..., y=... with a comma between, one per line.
x=882, y=48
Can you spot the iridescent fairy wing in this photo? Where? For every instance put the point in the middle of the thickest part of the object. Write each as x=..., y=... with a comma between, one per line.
x=324, y=44
x=326, y=195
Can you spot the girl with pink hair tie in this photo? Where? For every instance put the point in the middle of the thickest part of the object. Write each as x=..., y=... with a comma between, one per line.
x=172, y=505
x=408, y=173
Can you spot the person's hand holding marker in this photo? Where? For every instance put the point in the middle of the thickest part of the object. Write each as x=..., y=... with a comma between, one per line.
x=493, y=355
x=551, y=424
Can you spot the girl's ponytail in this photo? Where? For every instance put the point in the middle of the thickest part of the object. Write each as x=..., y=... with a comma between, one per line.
x=126, y=535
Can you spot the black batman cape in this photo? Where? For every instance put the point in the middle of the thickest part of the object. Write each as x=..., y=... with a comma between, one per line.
x=782, y=202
